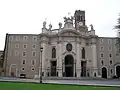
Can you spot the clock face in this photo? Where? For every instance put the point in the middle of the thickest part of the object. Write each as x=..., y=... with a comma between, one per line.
x=80, y=23
x=69, y=47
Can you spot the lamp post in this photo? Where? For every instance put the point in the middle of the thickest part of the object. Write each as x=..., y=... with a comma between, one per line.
x=41, y=49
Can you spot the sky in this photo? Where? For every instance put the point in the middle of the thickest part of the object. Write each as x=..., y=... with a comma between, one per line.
x=27, y=16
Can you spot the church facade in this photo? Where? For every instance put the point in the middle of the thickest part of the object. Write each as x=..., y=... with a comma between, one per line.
x=69, y=51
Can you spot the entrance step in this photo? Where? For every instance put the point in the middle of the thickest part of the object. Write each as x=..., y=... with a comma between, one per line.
x=70, y=78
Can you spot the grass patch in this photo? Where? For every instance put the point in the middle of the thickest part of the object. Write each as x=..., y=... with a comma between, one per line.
x=33, y=86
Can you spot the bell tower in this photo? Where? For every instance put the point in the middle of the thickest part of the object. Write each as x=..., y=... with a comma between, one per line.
x=79, y=18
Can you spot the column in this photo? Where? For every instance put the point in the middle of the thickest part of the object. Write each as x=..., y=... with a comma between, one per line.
x=43, y=58
x=94, y=59
x=78, y=59
x=59, y=64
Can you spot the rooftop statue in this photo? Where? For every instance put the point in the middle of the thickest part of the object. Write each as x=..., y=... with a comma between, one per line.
x=60, y=25
x=65, y=19
x=50, y=26
x=69, y=18
x=72, y=18
x=91, y=27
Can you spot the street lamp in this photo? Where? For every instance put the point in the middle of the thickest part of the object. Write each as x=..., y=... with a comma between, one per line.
x=41, y=49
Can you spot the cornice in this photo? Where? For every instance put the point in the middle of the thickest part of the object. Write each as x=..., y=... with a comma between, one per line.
x=44, y=41
x=60, y=35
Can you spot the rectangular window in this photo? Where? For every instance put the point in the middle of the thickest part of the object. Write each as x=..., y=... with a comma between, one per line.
x=25, y=37
x=24, y=61
x=24, y=46
x=110, y=62
x=101, y=48
x=16, y=53
x=53, y=52
x=101, y=41
x=33, y=53
x=34, y=37
x=11, y=38
x=24, y=53
x=109, y=48
x=17, y=38
x=101, y=55
x=16, y=45
x=33, y=62
x=102, y=61
x=110, y=55
x=111, y=71
x=109, y=41
x=34, y=46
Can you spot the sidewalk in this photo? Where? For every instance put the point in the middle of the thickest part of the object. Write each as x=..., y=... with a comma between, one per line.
x=70, y=82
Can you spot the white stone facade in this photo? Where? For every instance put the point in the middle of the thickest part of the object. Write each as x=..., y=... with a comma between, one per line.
x=79, y=38
x=69, y=51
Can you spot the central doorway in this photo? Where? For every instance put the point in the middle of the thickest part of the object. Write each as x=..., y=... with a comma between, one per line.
x=69, y=66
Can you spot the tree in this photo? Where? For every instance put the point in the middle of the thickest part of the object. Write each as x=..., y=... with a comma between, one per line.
x=118, y=38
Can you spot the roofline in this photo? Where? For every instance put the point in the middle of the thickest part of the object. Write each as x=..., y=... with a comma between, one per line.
x=40, y=33
x=22, y=34
x=109, y=37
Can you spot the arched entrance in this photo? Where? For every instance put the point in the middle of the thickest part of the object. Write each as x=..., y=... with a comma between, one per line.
x=104, y=72
x=69, y=66
x=13, y=70
x=118, y=71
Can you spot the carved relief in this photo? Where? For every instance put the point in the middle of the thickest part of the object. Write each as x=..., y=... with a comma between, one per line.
x=69, y=34
x=69, y=47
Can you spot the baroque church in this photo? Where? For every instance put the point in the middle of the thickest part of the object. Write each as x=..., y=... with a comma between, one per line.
x=69, y=51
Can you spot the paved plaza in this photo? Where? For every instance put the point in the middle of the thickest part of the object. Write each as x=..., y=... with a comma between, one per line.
x=73, y=82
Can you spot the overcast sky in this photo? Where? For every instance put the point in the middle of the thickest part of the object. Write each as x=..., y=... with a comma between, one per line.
x=27, y=16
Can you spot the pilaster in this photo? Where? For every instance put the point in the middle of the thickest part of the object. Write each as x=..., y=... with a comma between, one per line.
x=59, y=61
x=78, y=59
x=44, y=56
x=94, y=59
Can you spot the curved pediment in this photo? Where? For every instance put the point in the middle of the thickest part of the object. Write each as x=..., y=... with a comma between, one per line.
x=69, y=33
